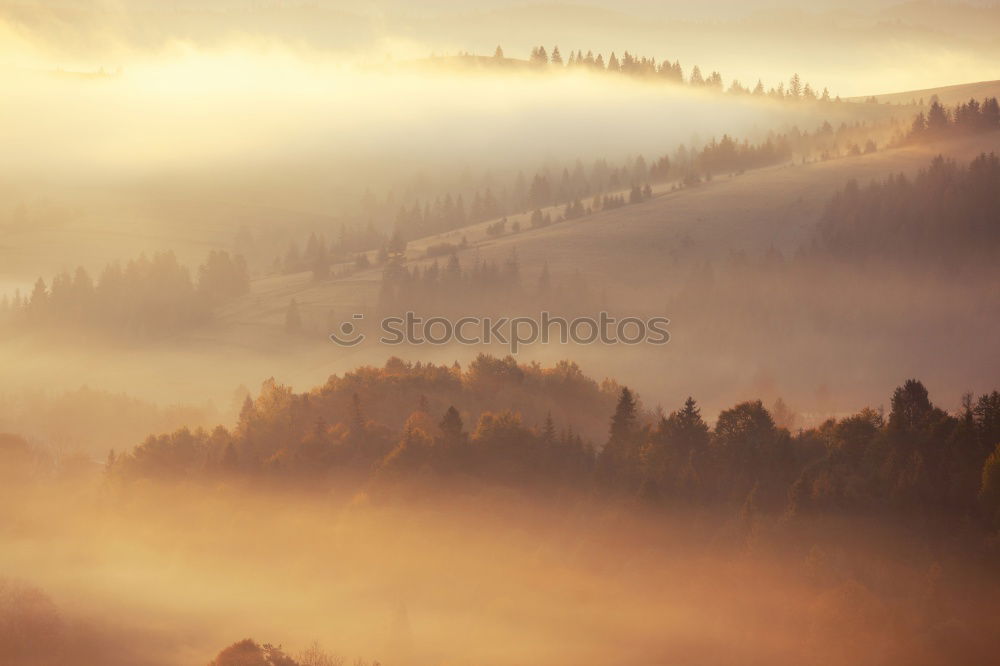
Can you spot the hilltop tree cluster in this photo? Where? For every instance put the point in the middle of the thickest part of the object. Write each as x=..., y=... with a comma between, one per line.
x=408, y=419
x=968, y=118
x=648, y=69
x=396, y=419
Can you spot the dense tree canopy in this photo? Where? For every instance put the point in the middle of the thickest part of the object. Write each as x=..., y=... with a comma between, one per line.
x=534, y=429
x=946, y=215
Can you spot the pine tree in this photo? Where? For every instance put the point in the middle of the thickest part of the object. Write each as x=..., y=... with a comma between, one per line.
x=991, y=113
x=548, y=434
x=795, y=87
x=453, y=271
x=451, y=423
x=937, y=118
x=696, y=78
x=539, y=56
x=624, y=420
x=686, y=429
x=620, y=457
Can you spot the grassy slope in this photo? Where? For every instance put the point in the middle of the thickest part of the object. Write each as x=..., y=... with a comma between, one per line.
x=768, y=207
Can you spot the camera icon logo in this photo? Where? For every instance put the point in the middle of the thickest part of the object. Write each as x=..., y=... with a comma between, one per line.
x=349, y=335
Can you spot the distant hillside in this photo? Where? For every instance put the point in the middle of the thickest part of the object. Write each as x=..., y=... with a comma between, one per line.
x=947, y=95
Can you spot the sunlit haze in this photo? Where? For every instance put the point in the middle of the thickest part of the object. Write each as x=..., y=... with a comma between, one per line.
x=499, y=333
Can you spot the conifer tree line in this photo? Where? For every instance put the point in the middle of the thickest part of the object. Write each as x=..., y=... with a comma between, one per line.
x=577, y=189
x=319, y=255
x=561, y=186
x=966, y=118
x=535, y=427
x=147, y=297
x=647, y=69
x=599, y=184
x=483, y=287
x=945, y=216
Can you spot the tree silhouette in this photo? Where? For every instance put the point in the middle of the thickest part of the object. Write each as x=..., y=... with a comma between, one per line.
x=795, y=87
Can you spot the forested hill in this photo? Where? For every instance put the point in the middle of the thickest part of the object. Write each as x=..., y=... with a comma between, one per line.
x=528, y=427
x=947, y=216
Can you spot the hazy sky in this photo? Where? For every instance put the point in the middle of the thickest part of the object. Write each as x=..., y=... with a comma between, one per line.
x=853, y=47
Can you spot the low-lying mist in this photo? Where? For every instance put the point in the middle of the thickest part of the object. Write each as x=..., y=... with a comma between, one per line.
x=171, y=575
x=201, y=112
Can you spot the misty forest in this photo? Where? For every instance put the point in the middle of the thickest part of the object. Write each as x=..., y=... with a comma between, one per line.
x=327, y=333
